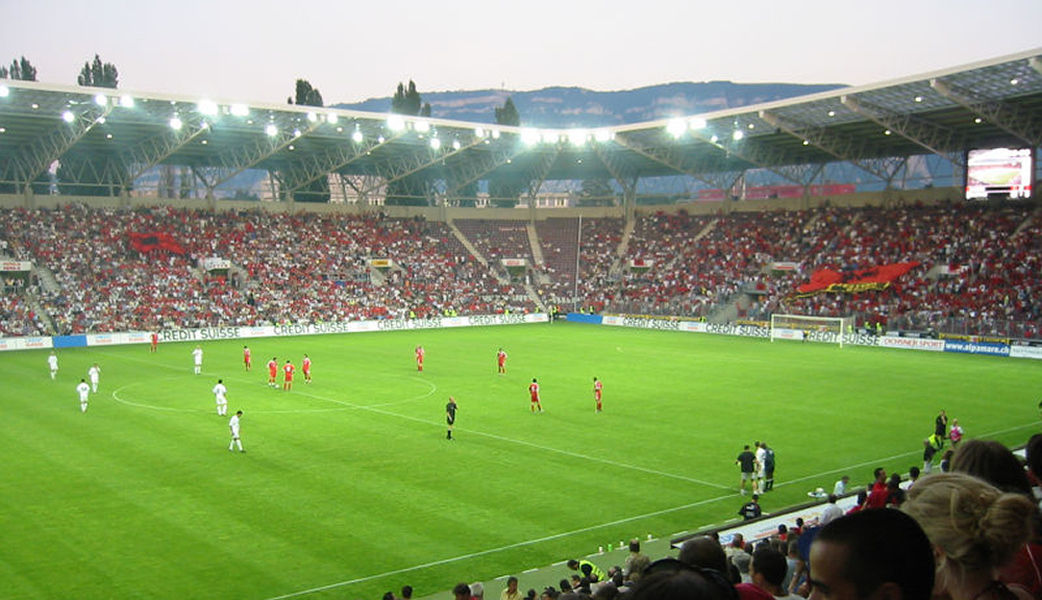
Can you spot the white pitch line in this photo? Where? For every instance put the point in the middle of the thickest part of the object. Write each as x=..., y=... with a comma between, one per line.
x=462, y=557
x=495, y=550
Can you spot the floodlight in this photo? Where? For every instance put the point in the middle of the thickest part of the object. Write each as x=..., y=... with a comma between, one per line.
x=175, y=123
x=455, y=144
x=697, y=123
x=422, y=126
x=101, y=100
x=101, y=120
x=205, y=142
x=577, y=136
x=714, y=139
x=806, y=142
x=291, y=147
x=296, y=133
x=603, y=135
x=379, y=140
x=752, y=126
x=68, y=117
x=312, y=117
x=126, y=101
x=832, y=113
x=737, y=135
x=332, y=118
x=357, y=136
x=887, y=132
x=918, y=98
x=395, y=123
x=978, y=120
x=271, y=130
x=479, y=132
x=240, y=110
x=1014, y=81
x=4, y=91
x=207, y=107
x=435, y=143
x=676, y=127
x=495, y=134
x=108, y=136
x=529, y=137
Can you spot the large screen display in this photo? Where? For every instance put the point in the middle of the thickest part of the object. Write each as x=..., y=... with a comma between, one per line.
x=999, y=173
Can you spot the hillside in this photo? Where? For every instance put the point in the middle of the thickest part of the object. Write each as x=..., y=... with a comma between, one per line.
x=578, y=107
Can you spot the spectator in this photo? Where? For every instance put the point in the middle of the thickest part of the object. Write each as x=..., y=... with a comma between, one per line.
x=877, y=497
x=511, y=592
x=976, y=528
x=994, y=463
x=840, y=489
x=872, y=554
x=768, y=574
x=635, y=562
x=831, y=512
x=461, y=591
x=671, y=579
x=477, y=591
x=406, y=592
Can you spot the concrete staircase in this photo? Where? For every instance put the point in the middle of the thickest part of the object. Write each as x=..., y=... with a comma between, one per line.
x=466, y=243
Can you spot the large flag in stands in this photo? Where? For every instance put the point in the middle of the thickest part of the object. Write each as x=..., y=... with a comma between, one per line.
x=875, y=278
x=147, y=242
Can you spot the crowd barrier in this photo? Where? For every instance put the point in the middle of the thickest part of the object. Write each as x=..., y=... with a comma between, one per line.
x=989, y=347
x=202, y=334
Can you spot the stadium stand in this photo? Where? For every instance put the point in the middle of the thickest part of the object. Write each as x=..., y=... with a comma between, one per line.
x=977, y=273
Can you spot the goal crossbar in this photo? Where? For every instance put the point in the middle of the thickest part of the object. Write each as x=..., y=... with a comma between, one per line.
x=803, y=327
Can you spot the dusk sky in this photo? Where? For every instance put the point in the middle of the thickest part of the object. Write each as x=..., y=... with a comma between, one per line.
x=253, y=51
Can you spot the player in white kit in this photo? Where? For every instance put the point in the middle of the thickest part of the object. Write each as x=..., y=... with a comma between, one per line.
x=233, y=425
x=219, y=394
x=84, y=391
x=197, y=354
x=52, y=361
x=94, y=373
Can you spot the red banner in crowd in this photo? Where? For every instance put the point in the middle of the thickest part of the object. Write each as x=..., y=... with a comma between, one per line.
x=147, y=242
x=875, y=278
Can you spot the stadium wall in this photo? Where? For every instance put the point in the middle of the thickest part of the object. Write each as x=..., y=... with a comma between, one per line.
x=203, y=334
x=437, y=213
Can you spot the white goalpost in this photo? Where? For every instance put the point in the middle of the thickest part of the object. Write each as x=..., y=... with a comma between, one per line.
x=803, y=327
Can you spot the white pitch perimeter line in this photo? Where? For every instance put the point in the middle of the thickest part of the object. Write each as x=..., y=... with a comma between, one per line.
x=445, y=561
x=462, y=557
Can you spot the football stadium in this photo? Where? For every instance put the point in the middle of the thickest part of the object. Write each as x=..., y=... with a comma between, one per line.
x=415, y=362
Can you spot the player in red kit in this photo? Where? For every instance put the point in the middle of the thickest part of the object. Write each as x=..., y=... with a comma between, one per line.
x=247, y=358
x=273, y=371
x=305, y=366
x=287, y=376
x=155, y=341
x=501, y=360
x=597, y=386
x=419, y=358
x=533, y=390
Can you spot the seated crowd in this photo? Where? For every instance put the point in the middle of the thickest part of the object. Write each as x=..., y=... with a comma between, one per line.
x=978, y=267
x=303, y=267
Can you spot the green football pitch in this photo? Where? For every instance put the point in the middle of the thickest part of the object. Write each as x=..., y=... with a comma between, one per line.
x=348, y=487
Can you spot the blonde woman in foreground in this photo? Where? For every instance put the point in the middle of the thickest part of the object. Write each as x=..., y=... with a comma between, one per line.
x=975, y=529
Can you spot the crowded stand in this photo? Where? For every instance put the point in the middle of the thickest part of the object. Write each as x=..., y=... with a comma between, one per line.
x=972, y=268
x=302, y=267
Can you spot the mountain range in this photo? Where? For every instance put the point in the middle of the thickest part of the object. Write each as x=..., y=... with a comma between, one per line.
x=560, y=107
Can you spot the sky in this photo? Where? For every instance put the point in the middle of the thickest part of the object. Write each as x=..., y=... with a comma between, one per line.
x=254, y=50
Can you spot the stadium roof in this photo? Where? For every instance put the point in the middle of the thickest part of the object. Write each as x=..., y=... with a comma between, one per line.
x=115, y=136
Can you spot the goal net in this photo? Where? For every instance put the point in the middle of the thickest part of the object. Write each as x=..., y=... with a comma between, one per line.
x=819, y=329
